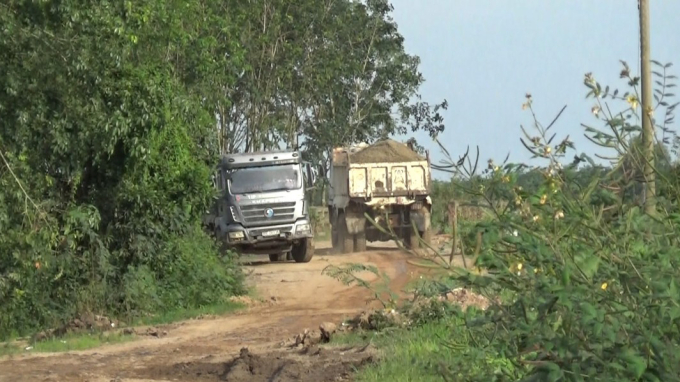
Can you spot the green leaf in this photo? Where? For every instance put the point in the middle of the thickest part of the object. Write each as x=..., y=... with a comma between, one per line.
x=566, y=276
x=590, y=265
x=635, y=364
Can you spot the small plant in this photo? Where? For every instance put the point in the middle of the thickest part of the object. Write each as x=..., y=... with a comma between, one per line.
x=347, y=274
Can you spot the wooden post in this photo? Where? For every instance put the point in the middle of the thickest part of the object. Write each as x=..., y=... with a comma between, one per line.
x=647, y=127
x=453, y=219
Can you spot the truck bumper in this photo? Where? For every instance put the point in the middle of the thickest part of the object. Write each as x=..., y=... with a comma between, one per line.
x=265, y=240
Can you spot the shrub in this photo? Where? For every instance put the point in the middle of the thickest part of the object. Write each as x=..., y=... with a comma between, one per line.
x=594, y=281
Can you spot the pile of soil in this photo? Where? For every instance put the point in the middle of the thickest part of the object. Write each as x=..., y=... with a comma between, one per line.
x=86, y=323
x=386, y=151
x=310, y=364
x=466, y=298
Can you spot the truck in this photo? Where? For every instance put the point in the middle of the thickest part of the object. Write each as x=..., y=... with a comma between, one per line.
x=386, y=181
x=261, y=208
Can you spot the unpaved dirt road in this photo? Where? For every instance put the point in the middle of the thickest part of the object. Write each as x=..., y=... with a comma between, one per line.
x=209, y=349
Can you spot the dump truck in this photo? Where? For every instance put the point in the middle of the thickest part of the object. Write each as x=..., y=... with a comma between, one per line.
x=387, y=181
x=261, y=208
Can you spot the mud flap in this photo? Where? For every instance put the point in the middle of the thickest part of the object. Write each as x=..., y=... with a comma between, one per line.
x=356, y=223
x=422, y=219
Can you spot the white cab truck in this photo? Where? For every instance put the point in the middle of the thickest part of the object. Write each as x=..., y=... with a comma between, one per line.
x=387, y=181
x=261, y=207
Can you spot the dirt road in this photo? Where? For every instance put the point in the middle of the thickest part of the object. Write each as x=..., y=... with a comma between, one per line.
x=209, y=349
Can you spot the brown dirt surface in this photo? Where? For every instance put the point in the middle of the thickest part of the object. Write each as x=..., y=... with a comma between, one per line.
x=386, y=151
x=293, y=298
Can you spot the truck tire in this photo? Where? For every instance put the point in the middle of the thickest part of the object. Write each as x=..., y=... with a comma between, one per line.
x=303, y=251
x=334, y=238
x=345, y=240
x=277, y=257
x=360, y=242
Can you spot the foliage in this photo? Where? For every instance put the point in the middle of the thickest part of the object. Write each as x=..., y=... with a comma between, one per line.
x=422, y=352
x=587, y=282
x=594, y=280
x=347, y=274
x=68, y=342
x=105, y=143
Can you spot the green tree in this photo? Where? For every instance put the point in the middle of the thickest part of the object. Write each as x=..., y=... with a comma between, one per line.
x=104, y=138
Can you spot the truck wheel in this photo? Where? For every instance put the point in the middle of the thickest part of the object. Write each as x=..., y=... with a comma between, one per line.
x=304, y=251
x=334, y=238
x=360, y=242
x=277, y=257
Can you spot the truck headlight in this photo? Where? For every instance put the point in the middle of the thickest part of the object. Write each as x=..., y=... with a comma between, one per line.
x=302, y=228
x=233, y=213
x=236, y=235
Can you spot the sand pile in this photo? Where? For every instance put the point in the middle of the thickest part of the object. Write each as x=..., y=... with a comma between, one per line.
x=387, y=151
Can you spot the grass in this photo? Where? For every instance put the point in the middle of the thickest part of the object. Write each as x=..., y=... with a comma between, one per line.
x=186, y=314
x=79, y=341
x=84, y=341
x=414, y=354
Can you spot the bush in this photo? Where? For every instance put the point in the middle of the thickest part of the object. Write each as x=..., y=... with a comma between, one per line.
x=106, y=148
x=594, y=281
x=586, y=284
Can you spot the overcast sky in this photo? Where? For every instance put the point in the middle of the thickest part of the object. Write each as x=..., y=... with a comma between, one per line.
x=484, y=55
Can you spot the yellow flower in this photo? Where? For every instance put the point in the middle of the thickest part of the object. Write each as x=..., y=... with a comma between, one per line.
x=535, y=270
x=544, y=198
x=632, y=100
x=496, y=169
x=535, y=218
x=548, y=149
x=506, y=179
x=519, y=266
x=518, y=200
x=559, y=214
x=603, y=286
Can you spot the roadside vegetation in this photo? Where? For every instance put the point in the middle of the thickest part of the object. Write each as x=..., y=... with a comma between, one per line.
x=113, y=114
x=584, y=284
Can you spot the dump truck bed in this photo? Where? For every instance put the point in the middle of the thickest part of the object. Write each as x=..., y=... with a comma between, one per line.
x=386, y=169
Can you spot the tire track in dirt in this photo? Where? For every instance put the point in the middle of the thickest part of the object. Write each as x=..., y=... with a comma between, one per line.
x=209, y=349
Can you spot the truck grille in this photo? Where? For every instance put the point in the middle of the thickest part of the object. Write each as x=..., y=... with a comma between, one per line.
x=255, y=214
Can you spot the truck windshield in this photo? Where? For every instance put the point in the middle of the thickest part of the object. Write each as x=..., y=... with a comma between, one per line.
x=264, y=179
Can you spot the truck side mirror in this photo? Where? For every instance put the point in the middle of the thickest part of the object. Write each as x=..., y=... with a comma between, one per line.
x=310, y=175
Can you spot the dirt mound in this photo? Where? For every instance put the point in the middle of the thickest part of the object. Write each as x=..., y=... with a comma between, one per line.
x=466, y=298
x=314, y=366
x=387, y=151
x=310, y=364
x=87, y=322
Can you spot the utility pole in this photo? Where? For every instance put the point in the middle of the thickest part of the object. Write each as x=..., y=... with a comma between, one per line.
x=647, y=127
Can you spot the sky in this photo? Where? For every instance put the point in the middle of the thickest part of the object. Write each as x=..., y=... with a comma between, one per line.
x=483, y=56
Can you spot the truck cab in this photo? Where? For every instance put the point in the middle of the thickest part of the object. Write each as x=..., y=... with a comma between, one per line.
x=262, y=208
